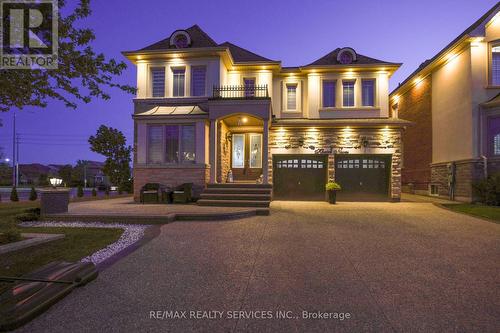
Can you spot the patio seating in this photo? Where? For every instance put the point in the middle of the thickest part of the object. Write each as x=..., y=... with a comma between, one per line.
x=152, y=193
x=183, y=193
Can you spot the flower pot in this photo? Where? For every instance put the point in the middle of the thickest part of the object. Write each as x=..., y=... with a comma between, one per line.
x=332, y=197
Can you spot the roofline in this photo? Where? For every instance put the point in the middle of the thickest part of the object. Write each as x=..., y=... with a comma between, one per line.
x=437, y=60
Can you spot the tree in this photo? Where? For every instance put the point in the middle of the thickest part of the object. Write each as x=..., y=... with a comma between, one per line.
x=13, y=194
x=43, y=180
x=79, y=192
x=65, y=173
x=33, y=194
x=80, y=76
x=94, y=192
x=111, y=143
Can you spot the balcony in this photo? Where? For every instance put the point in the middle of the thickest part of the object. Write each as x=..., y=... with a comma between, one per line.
x=258, y=91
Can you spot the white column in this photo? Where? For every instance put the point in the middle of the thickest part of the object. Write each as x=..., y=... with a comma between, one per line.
x=213, y=151
x=265, y=153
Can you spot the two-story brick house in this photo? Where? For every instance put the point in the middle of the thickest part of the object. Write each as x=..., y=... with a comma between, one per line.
x=453, y=101
x=205, y=111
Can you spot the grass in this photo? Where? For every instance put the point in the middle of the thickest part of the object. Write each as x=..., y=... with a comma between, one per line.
x=77, y=244
x=489, y=212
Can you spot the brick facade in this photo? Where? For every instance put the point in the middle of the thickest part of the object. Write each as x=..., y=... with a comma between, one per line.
x=332, y=141
x=171, y=176
x=415, y=105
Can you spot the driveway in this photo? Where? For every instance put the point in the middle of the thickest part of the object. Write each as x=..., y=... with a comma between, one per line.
x=390, y=266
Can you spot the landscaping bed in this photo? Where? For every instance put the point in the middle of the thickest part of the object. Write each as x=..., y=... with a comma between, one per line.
x=489, y=212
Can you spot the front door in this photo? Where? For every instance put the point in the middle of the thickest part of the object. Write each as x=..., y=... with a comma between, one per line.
x=246, y=156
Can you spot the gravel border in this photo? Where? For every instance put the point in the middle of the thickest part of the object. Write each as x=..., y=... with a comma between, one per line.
x=132, y=233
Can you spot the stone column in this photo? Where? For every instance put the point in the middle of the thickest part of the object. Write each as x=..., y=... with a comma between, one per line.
x=265, y=153
x=54, y=201
x=213, y=151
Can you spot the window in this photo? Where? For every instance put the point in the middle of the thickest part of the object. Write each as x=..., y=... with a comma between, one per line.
x=368, y=92
x=495, y=65
x=249, y=84
x=291, y=97
x=198, y=77
x=158, y=82
x=348, y=93
x=165, y=143
x=238, y=155
x=178, y=81
x=494, y=135
x=329, y=93
x=155, y=142
x=255, y=151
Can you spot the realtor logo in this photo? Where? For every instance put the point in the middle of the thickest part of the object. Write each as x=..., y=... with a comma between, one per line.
x=28, y=34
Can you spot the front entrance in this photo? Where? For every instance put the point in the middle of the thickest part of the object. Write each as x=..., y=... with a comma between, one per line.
x=246, y=156
x=299, y=177
x=363, y=177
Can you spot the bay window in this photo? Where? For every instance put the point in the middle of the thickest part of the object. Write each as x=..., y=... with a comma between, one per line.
x=329, y=93
x=368, y=92
x=198, y=81
x=179, y=75
x=348, y=93
x=155, y=143
x=158, y=82
x=171, y=144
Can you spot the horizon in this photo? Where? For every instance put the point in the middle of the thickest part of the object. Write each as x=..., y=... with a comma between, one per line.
x=57, y=135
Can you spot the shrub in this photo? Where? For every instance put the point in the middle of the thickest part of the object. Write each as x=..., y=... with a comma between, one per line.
x=12, y=235
x=33, y=194
x=13, y=194
x=488, y=190
x=332, y=186
x=94, y=192
x=29, y=215
x=79, y=192
x=127, y=186
x=107, y=191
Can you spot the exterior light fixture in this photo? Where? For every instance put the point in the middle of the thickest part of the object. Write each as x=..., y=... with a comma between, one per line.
x=245, y=120
x=55, y=182
x=7, y=160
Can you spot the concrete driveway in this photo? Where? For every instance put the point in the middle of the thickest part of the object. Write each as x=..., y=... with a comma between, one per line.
x=390, y=266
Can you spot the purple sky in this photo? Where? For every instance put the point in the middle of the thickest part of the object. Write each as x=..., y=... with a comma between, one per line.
x=295, y=32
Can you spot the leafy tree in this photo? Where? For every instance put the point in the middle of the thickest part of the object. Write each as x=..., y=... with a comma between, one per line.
x=33, y=194
x=79, y=192
x=77, y=174
x=65, y=173
x=43, y=180
x=79, y=66
x=111, y=143
x=13, y=194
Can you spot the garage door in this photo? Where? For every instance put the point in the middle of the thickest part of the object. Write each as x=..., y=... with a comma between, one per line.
x=363, y=177
x=299, y=177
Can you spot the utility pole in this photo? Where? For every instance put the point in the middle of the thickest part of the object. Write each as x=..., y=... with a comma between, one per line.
x=14, y=136
x=17, y=160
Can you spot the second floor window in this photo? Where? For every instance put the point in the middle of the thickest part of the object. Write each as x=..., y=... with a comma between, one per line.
x=291, y=97
x=198, y=77
x=329, y=93
x=249, y=84
x=348, y=93
x=178, y=82
x=495, y=65
x=368, y=92
x=158, y=82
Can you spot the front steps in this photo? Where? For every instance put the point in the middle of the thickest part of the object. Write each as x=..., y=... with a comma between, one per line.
x=236, y=195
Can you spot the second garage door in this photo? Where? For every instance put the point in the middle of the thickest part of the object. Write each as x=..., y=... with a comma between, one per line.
x=299, y=177
x=363, y=177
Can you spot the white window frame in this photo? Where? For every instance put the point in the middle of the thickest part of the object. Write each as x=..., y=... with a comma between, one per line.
x=173, y=69
x=259, y=135
x=334, y=93
x=374, y=92
x=353, y=81
x=163, y=140
x=492, y=45
x=151, y=82
x=296, y=85
x=193, y=68
x=232, y=151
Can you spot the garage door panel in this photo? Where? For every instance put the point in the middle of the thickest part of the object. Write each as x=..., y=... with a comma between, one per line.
x=299, y=177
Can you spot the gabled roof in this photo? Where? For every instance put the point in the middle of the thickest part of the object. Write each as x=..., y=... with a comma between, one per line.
x=242, y=55
x=331, y=59
x=199, y=39
x=471, y=31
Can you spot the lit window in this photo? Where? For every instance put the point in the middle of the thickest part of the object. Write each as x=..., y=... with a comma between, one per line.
x=328, y=93
x=178, y=81
x=291, y=96
x=165, y=143
x=198, y=77
x=348, y=93
x=188, y=144
x=158, y=81
x=172, y=144
x=495, y=65
x=368, y=92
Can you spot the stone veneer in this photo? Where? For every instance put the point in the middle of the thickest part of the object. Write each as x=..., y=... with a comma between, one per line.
x=223, y=153
x=199, y=175
x=333, y=141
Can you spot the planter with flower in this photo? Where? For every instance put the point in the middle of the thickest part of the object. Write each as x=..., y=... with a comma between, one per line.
x=331, y=190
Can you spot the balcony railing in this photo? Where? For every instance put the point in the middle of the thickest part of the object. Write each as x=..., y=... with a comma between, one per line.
x=258, y=91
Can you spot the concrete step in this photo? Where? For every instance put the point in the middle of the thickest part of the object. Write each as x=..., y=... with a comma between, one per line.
x=239, y=185
x=237, y=190
x=233, y=203
x=236, y=196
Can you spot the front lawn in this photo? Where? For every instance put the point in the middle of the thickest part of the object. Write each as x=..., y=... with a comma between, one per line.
x=489, y=212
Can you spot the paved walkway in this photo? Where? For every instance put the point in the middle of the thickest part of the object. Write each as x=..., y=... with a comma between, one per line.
x=391, y=266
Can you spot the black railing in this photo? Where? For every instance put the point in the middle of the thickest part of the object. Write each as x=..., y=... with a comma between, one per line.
x=257, y=91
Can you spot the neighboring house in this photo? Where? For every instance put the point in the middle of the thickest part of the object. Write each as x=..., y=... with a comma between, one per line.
x=204, y=110
x=453, y=101
x=35, y=173
x=94, y=174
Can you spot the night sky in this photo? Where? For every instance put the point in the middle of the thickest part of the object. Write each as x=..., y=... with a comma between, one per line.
x=295, y=32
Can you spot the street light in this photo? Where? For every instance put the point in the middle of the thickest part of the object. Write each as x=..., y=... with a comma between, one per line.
x=55, y=182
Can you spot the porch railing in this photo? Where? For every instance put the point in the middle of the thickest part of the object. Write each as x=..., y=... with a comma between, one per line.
x=258, y=91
